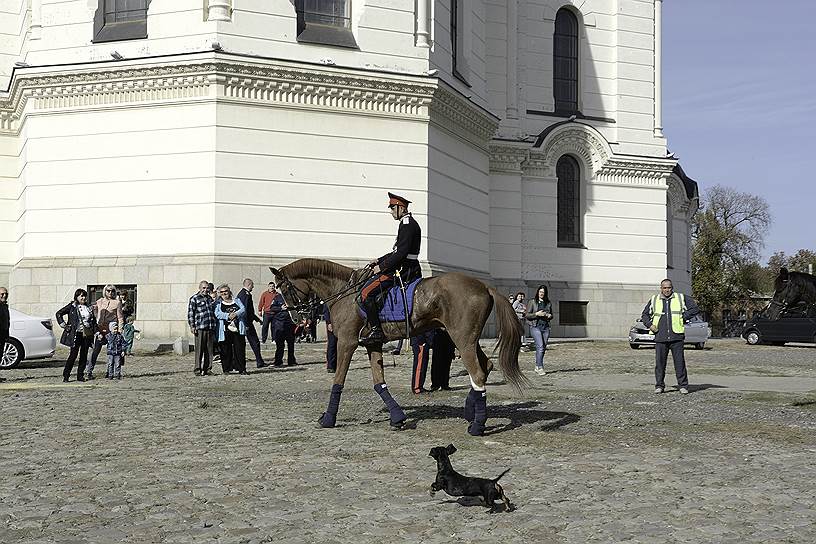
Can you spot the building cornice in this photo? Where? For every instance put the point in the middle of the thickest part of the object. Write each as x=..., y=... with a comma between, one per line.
x=280, y=83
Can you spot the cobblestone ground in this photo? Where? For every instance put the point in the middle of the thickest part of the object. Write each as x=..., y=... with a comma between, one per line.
x=164, y=456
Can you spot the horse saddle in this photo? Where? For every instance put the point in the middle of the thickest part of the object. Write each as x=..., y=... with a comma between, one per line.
x=393, y=308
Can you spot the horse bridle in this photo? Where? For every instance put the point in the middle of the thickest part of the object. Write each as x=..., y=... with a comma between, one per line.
x=309, y=304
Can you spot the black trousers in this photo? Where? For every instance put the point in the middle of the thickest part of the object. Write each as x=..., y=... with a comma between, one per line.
x=284, y=334
x=421, y=346
x=661, y=358
x=233, y=352
x=80, y=347
x=331, y=351
x=254, y=343
x=441, y=359
x=266, y=325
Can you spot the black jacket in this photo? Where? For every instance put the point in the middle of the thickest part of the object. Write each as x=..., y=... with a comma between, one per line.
x=73, y=326
x=405, y=255
x=5, y=320
x=280, y=317
x=246, y=299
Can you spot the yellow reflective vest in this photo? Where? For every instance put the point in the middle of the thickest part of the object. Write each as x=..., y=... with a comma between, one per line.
x=677, y=305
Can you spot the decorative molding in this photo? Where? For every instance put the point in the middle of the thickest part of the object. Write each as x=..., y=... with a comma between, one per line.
x=580, y=140
x=219, y=10
x=635, y=170
x=289, y=85
x=459, y=115
x=507, y=159
x=682, y=207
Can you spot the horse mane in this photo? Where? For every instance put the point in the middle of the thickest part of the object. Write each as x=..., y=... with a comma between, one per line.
x=805, y=282
x=316, y=267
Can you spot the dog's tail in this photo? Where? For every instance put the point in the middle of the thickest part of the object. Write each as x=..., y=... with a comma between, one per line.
x=497, y=478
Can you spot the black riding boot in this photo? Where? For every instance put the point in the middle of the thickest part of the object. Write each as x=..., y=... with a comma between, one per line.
x=375, y=334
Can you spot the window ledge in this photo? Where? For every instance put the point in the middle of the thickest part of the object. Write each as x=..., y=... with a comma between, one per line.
x=575, y=245
x=114, y=32
x=327, y=35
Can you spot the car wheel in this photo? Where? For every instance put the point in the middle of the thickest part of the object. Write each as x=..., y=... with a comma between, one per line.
x=699, y=345
x=13, y=354
x=633, y=346
x=753, y=338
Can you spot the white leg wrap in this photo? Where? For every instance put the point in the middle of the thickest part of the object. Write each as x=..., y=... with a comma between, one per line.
x=476, y=387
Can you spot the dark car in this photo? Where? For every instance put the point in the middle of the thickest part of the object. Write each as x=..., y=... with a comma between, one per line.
x=795, y=324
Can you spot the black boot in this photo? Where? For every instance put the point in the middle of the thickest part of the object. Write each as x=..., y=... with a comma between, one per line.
x=375, y=334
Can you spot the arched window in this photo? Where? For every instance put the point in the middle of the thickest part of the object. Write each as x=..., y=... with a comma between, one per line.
x=569, y=201
x=565, y=62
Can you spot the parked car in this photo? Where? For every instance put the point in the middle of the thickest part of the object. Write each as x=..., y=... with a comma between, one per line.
x=697, y=334
x=796, y=324
x=29, y=338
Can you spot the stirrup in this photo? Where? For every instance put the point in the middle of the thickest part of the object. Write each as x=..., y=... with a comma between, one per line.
x=375, y=336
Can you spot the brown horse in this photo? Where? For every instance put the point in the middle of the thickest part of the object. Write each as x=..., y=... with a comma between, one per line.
x=459, y=303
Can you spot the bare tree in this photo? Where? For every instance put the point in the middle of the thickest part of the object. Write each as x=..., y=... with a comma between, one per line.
x=729, y=233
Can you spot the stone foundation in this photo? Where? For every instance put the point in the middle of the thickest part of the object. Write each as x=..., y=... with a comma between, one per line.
x=611, y=308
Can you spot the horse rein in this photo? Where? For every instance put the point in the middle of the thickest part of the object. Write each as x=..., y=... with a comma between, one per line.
x=309, y=304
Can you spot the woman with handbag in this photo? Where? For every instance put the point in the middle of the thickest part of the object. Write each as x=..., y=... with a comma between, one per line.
x=78, y=332
x=539, y=314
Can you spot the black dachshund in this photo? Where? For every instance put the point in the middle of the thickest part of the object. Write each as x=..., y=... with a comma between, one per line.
x=458, y=485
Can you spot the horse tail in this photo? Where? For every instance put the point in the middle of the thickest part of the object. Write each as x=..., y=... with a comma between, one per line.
x=499, y=477
x=509, y=333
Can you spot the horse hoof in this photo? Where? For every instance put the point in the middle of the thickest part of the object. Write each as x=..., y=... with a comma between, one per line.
x=326, y=421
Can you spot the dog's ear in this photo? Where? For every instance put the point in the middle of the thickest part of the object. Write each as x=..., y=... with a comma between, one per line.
x=451, y=449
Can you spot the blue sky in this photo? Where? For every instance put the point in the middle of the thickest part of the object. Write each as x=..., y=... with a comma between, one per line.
x=739, y=104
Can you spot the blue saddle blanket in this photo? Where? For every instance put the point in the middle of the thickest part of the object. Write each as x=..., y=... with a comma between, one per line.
x=394, y=308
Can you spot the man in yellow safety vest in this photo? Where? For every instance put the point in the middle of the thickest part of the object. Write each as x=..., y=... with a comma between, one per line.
x=666, y=315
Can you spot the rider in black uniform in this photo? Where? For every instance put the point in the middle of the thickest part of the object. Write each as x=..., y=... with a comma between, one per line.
x=404, y=258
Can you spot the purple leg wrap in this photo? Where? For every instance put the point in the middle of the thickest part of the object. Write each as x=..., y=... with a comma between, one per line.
x=329, y=417
x=394, y=410
x=470, y=402
x=477, y=426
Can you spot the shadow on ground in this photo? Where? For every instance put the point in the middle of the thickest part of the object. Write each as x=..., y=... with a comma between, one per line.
x=524, y=413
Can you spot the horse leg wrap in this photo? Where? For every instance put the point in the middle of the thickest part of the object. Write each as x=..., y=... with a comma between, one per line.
x=477, y=426
x=470, y=402
x=394, y=410
x=329, y=417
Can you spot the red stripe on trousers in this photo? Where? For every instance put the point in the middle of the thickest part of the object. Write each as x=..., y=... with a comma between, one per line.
x=418, y=374
x=373, y=285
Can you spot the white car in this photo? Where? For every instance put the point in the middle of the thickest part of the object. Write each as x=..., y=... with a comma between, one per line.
x=29, y=338
x=698, y=332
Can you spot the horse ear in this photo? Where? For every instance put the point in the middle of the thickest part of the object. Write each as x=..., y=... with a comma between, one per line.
x=451, y=449
x=274, y=271
x=783, y=273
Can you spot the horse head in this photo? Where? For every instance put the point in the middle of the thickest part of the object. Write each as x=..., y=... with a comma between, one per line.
x=786, y=293
x=298, y=298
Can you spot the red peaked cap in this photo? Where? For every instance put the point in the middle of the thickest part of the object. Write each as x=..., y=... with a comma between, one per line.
x=396, y=200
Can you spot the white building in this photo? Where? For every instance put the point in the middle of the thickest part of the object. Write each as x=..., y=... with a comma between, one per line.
x=154, y=143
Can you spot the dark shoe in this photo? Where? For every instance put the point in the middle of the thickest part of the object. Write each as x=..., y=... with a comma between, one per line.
x=243, y=373
x=278, y=364
x=291, y=363
x=374, y=337
x=65, y=379
x=90, y=377
x=420, y=391
x=80, y=379
x=331, y=370
x=261, y=365
x=197, y=372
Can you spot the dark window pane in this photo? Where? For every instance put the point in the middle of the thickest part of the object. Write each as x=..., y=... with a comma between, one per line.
x=569, y=198
x=572, y=313
x=325, y=12
x=119, y=11
x=565, y=62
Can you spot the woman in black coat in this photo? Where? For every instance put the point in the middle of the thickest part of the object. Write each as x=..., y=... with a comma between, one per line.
x=78, y=332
